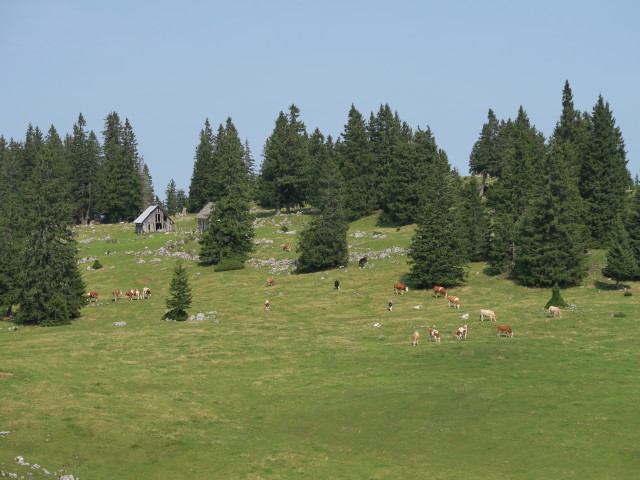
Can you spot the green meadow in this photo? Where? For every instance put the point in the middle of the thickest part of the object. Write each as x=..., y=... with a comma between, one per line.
x=312, y=389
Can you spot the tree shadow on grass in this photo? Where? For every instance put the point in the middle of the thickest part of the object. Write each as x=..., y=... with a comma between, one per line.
x=384, y=220
x=610, y=286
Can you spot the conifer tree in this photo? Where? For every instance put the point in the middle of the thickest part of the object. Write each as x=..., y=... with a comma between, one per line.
x=250, y=163
x=633, y=226
x=556, y=299
x=621, y=262
x=485, y=157
x=472, y=214
x=436, y=253
x=323, y=242
x=550, y=240
x=51, y=286
x=200, y=192
x=171, y=198
x=320, y=149
x=356, y=160
x=120, y=187
x=230, y=232
x=148, y=195
x=180, y=298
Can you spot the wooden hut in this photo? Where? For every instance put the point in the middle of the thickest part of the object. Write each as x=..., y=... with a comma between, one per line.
x=204, y=216
x=153, y=219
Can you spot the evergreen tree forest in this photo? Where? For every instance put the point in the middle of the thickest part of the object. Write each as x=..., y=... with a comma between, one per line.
x=531, y=208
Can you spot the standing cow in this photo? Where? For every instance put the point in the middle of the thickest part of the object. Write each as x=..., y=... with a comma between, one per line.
x=362, y=262
x=271, y=281
x=337, y=284
x=416, y=338
x=92, y=297
x=287, y=247
x=146, y=292
x=487, y=313
x=116, y=294
x=434, y=335
x=390, y=305
x=267, y=305
x=401, y=288
x=453, y=302
x=504, y=330
x=555, y=311
x=438, y=290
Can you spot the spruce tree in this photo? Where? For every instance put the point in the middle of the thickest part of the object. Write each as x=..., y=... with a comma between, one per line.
x=323, y=242
x=171, y=198
x=320, y=149
x=471, y=211
x=200, y=188
x=180, y=298
x=633, y=225
x=604, y=175
x=550, y=239
x=120, y=188
x=556, y=299
x=436, y=253
x=51, y=286
x=621, y=262
x=230, y=232
x=148, y=195
x=485, y=159
x=356, y=160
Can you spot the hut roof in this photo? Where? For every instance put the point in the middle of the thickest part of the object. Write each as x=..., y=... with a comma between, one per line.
x=143, y=216
x=205, y=213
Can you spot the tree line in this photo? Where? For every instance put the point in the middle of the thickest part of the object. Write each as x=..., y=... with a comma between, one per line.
x=531, y=209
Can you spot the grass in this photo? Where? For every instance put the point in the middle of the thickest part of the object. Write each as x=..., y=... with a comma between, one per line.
x=311, y=389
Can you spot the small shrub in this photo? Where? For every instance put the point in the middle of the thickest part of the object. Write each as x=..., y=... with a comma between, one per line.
x=556, y=299
x=96, y=265
x=234, y=262
x=284, y=229
x=619, y=315
x=177, y=315
x=627, y=294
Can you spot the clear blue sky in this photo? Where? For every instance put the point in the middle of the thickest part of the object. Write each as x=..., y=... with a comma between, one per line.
x=166, y=66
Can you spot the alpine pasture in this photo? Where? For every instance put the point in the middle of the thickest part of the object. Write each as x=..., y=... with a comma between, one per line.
x=311, y=388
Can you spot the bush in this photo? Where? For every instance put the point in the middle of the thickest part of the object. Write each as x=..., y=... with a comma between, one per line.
x=556, y=298
x=234, y=262
x=619, y=315
x=627, y=294
x=96, y=265
x=177, y=315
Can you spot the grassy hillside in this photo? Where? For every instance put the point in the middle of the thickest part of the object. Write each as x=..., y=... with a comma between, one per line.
x=311, y=389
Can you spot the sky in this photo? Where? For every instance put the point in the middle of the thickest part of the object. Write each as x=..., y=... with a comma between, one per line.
x=169, y=65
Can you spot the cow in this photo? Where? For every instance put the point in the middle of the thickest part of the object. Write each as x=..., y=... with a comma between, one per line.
x=399, y=287
x=434, y=335
x=453, y=302
x=438, y=290
x=146, y=292
x=337, y=284
x=271, y=281
x=287, y=247
x=461, y=333
x=416, y=337
x=267, y=304
x=362, y=262
x=555, y=311
x=390, y=307
x=133, y=293
x=92, y=296
x=487, y=313
x=504, y=329
x=116, y=294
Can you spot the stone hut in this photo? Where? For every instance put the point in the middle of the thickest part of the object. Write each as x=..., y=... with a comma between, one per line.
x=203, y=217
x=153, y=219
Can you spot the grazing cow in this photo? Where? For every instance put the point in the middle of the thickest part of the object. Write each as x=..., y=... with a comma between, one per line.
x=439, y=291
x=133, y=293
x=146, y=292
x=362, y=262
x=487, y=313
x=453, y=302
x=504, y=330
x=416, y=337
x=116, y=294
x=399, y=287
x=555, y=311
x=271, y=281
x=337, y=284
x=267, y=304
x=390, y=305
x=434, y=335
x=92, y=296
x=462, y=332
x=287, y=247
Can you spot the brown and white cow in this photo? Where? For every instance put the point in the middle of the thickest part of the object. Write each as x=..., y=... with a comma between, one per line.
x=267, y=304
x=504, y=330
x=133, y=293
x=271, y=281
x=399, y=287
x=461, y=333
x=92, y=296
x=434, y=335
x=555, y=311
x=416, y=338
x=487, y=313
x=453, y=301
x=287, y=247
x=116, y=294
x=438, y=290
x=146, y=292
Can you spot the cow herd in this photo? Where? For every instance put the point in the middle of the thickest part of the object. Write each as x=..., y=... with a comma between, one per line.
x=117, y=294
